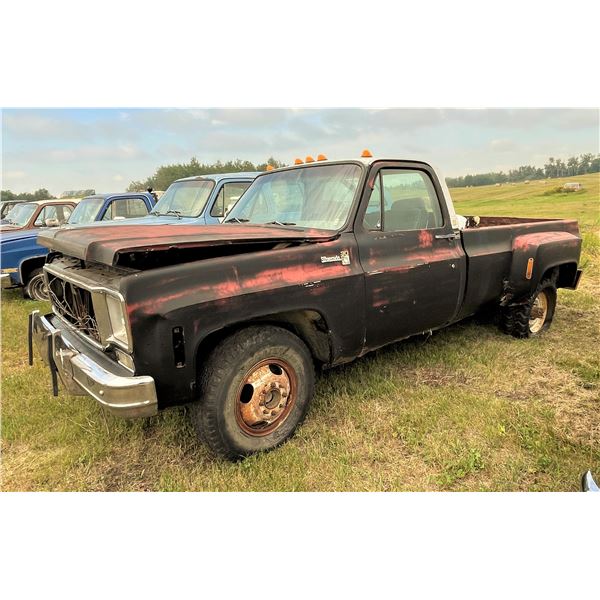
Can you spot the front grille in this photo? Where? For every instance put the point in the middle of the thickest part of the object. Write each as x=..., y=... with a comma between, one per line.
x=74, y=304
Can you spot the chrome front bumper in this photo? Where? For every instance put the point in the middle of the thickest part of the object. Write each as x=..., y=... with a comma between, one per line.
x=6, y=281
x=88, y=372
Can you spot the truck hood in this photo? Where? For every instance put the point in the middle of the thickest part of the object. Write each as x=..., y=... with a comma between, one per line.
x=145, y=220
x=105, y=244
x=17, y=234
x=8, y=227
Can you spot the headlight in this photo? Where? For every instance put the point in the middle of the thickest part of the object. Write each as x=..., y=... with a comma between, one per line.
x=118, y=324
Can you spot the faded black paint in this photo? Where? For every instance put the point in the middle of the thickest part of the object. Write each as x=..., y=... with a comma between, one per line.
x=396, y=285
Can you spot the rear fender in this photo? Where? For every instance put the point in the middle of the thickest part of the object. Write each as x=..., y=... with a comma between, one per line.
x=534, y=254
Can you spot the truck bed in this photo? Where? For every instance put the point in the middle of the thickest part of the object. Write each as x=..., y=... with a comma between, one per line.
x=489, y=250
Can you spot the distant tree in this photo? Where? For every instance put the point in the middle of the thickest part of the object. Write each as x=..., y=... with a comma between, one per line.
x=165, y=175
x=41, y=194
x=7, y=195
x=572, y=164
x=276, y=164
x=136, y=186
x=586, y=163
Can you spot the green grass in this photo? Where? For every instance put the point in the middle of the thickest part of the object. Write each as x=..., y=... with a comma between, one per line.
x=470, y=409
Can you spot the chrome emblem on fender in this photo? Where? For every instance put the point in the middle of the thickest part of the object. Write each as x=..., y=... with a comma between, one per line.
x=343, y=257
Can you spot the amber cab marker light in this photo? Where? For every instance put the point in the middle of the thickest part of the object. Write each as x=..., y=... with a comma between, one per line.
x=270, y=167
x=366, y=154
x=298, y=161
x=309, y=159
x=321, y=157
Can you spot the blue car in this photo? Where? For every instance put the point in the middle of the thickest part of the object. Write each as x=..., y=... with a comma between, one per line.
x=22, y=258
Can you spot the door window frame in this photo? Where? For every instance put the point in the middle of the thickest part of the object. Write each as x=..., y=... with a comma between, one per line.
x=374, y=172
x=222, y=191
x=133, y=197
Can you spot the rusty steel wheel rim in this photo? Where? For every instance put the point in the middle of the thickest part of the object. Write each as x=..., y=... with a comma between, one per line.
x=265, y=396
x=539, y=312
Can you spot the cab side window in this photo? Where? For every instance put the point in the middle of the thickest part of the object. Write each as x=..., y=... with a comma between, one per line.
x=125, y=208
x=58, y=212
x=227, y=198
x=407, y=202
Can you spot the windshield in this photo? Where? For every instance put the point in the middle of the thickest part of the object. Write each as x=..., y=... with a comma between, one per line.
x=86, y=211
x=184, y=198
x=5, y=208
x=318, y=197
x=20, y=214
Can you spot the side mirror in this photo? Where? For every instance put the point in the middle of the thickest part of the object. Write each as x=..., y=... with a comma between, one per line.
x=52, y=222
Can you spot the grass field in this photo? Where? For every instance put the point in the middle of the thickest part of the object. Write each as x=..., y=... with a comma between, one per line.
x=470, y=409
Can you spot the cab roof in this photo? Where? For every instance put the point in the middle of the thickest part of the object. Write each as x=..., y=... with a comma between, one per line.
x=218, y=176
x=49, y=201
x=115, y=194
x=367, y=161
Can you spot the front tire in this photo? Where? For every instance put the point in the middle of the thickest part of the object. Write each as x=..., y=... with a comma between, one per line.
x=534, y=316
x=255, y=390
x=36, y=288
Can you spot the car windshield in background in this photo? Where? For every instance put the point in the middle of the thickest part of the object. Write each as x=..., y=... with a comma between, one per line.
x=184, y=198
x=20, y=214
x=5, y=208
x=319, y=197
x=86, y=211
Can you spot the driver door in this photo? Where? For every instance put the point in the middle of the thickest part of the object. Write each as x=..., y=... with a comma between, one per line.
x=414, y=265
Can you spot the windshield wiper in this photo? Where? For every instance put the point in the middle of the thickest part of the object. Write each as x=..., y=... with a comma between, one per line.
x=155, y=212
x=177, y=213
x=236, y=220
x=283, y=224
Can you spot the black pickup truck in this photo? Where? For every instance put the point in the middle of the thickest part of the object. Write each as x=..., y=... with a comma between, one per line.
x=318, y=264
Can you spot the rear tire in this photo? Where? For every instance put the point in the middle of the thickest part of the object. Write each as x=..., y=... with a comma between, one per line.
x=36, y=286
x=533, y=316
x=255, y=390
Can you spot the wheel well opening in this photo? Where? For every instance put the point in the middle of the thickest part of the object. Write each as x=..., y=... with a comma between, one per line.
x=30, y=265
x=309, y=325
x=564, y=274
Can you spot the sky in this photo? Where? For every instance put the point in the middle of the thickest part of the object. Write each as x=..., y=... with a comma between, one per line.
x=105, y=149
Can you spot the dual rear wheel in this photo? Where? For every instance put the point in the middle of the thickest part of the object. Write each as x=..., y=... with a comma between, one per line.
x=532, y=316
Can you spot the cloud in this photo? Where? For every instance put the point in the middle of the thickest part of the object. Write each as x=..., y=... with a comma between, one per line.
x=14, y=174
x=88, y=146
x=503, y=146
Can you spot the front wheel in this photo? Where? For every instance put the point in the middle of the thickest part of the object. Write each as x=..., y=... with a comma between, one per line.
x=255, y=390
x=36, y=288
x=534, y=316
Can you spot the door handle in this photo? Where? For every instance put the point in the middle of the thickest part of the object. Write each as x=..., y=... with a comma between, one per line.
x=446, y=236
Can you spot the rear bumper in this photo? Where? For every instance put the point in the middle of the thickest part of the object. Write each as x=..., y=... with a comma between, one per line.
x=83, y=374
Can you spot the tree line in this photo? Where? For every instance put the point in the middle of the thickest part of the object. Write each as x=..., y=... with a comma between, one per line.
x=41, y=194
x=554, y=167
x=164, y=176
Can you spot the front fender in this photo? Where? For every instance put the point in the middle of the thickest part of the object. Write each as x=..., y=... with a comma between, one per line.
x=535, y=253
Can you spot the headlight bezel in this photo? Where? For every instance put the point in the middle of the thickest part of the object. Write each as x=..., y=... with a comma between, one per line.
x=102, y=299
